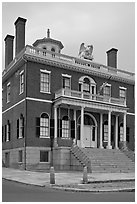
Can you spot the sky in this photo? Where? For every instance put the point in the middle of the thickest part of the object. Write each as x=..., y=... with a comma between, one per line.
x=104, y=25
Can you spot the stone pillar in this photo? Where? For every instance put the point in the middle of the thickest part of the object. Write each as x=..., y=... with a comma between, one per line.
x=75, y=119
x=81, y=126
x=116, y=132
x=109, y=131
x=55, y=126
x=101, y=133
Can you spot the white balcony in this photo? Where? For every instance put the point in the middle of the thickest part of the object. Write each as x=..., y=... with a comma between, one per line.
x=89, y=97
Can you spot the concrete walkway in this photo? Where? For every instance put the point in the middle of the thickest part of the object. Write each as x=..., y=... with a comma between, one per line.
x=68, y=180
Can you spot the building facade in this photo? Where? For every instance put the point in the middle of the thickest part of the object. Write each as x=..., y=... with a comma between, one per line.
x=49, y=95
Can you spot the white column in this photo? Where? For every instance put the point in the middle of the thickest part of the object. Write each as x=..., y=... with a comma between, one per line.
x=81, y=126
x=116, y=132
x=75, y=119
x=101, y=123
x=124, y=127
x=55, y=126
x=109, y=131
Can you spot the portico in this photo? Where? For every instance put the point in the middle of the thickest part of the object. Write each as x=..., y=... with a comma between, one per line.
x=93, y=121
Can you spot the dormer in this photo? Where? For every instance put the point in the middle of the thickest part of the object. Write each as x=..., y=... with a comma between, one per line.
x=49, y=44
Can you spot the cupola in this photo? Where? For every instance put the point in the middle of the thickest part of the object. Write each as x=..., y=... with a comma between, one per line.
x=49, y=43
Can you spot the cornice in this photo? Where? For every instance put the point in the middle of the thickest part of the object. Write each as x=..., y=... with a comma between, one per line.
x=77, y=68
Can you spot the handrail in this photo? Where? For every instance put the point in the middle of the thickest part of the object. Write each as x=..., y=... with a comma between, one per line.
x=91, y=97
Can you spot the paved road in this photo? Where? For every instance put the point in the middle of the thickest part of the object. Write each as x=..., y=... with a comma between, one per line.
x=17, y=192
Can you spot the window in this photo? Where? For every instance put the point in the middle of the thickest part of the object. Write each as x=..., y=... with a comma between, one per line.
x=45, y=81
x=8, y=129
x=8, y=92
x=86, y=85
x=53, y=50
x=44, y=125
x=122, y=93
x=20, y=127
x=22, y=82
x=2, y=98
x=65, y=127
x=44, y=156
x=106, y=131
x=121, y=132
x=107, y=90
x=66, y=81
x=2, y=133
x=20, y=156
x=127, y=134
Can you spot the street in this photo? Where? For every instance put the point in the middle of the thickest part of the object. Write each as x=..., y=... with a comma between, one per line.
x=17, y=192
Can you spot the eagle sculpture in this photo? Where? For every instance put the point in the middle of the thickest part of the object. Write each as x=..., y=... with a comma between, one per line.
x=86, y=52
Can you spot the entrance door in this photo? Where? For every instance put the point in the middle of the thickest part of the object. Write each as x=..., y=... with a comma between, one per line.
x=89, y=136
x=7, y=159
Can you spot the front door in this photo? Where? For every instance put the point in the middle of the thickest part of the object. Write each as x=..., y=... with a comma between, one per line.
x=89, y=136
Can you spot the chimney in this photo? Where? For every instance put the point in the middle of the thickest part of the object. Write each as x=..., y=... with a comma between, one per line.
x=112, y=57
x=20, y=34
x=8, y=49
x=48, y=33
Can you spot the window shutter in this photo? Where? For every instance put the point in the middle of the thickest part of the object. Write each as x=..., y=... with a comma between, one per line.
x=9, y=130
x=5, y=132
x=51, y=128
x=2, y=133
x=17, y=128
x=72, y=129
x=37, y=127
x=59, y=128
x=23, y=127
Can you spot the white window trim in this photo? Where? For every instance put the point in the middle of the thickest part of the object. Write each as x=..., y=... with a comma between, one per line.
x=120, y=87
x=7, y=92
x=48, y=72
x=45, y=71
x=66, y=75
x=22, y=72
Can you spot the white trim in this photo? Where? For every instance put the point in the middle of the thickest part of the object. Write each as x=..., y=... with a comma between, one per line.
x=8, y=84
x=45, y=92
x=130, y=113
x=108, y=84
x=36, y=99
x=21, y=72
x=120, y=87
x=13, y=106
x=66, y=75
x=45, y=71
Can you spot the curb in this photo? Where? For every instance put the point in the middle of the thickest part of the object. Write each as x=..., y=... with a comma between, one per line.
x=74, y=189
x=110, y=181
x=94, y=191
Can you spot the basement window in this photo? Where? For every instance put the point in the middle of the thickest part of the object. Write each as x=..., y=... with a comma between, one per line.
x=20, y=156
x=44, y=156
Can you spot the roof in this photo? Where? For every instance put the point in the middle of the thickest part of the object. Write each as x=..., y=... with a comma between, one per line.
x=45, y=40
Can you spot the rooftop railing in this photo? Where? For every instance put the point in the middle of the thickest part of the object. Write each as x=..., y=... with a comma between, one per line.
x=90, y=97
x=83, y=63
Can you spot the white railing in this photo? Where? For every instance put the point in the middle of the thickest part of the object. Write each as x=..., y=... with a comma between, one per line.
x=90, y=97
x=86, y=64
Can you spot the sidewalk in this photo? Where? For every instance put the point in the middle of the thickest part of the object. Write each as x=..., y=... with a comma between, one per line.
x=72, y=180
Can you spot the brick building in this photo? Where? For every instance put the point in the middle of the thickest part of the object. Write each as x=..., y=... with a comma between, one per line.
x=47, y=94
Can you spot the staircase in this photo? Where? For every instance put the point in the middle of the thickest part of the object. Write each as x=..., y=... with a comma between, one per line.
x=109, y=160
x=129, y=153
x=104, y=160
x=81, y=156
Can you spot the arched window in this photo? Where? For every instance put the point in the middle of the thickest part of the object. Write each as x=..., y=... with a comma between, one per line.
x=65, y=127
x=86, y=85
x=52, y=49
x=44, y=125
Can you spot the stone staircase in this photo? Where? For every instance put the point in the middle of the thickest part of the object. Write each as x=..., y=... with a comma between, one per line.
x=109, y=160
x=83, y=159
